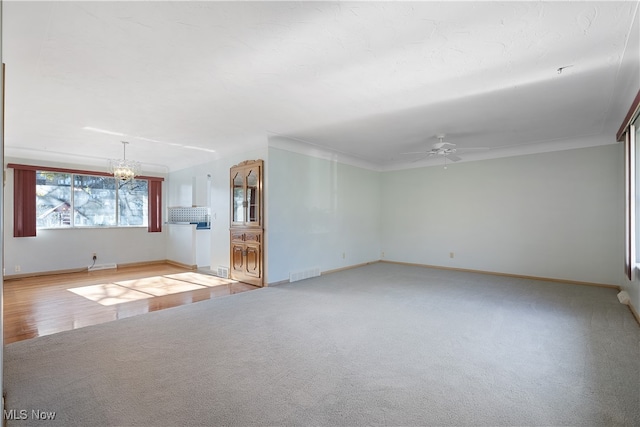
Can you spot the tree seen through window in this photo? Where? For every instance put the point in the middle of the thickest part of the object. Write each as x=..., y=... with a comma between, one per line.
x=92, y=201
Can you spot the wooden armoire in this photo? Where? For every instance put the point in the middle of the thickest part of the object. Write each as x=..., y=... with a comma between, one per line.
x=246, y=222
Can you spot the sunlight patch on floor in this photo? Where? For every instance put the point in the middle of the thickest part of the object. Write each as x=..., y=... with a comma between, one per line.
x=160, y=285
x=109, y=293
x=201, y=279
x=148, y=287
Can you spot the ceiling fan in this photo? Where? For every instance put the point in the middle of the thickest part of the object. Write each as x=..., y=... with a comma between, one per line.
x=444, y=149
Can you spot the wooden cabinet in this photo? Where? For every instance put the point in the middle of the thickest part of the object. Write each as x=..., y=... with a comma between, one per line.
x=246, y=224
x=246, y=257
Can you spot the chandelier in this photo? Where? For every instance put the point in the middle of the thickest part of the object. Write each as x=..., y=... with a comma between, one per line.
x=123, y=169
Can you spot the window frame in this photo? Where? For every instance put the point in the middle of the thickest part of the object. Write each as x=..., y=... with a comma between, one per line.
x=25, y=199
x=115, y=215
x=626, y=134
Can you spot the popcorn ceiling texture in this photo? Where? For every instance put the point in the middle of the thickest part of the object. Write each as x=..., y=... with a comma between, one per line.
x=189, y=82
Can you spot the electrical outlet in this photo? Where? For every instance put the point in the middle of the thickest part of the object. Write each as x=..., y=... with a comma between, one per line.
x=450, y=254
x=344, y=255
x=95, y=256
x=17, y=269
x=382, y=254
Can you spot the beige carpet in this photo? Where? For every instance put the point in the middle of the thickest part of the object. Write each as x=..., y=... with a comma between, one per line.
x=381, y=345
x=148, y=287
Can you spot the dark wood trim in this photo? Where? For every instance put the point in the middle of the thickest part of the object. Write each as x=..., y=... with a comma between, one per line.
x=631, y=114
x=76, y=171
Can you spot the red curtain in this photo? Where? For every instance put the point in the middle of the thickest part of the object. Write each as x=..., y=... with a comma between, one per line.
x=24, y=198
x=24, y=203
x=155, y=206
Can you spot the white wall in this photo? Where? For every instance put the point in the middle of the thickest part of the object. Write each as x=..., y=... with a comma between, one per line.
x=65, y=249
x=553, y=215
x=53, y=250
x=316, y=210
x=321, y=213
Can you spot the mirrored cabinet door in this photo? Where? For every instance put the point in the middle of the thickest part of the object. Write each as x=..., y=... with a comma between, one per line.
x=238, y=197
x=246, y=194
x=253, y=199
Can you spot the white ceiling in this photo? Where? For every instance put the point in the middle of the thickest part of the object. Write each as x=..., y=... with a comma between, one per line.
x=186, y=82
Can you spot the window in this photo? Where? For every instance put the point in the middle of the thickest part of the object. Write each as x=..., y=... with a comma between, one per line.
x=92, y=201
x=634, y=135
x=133, y=203
x=629, y=132
x=63, y=198
x=53, y=199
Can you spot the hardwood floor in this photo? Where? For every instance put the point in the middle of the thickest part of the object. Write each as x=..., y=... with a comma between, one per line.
x=43, y=305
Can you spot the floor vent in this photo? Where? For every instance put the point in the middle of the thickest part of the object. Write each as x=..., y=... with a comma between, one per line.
x=304, y=274
x=222, y=272
x=102, y=267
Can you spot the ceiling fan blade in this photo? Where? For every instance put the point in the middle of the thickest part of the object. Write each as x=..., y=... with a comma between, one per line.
x=421, y=158
x=453, y=158
x=426, y=156
x=442, y=144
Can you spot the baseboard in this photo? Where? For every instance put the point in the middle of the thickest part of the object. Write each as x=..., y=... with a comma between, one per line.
x=634, y=312
x=44, y=273
x=141, y=264
x=348, y=267
x=84, y=269
x=517, y=276
x=179, y=264
x=281, y=282
x=157, y=262
x=322, y=273
x=98, y=267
